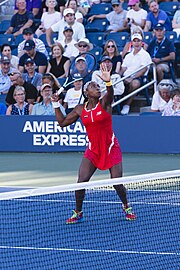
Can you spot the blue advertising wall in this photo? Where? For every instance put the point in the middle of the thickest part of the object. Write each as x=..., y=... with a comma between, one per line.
x=139, y=134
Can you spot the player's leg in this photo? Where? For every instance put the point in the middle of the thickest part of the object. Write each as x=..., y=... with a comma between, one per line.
x=86, y=170
x=116, y=171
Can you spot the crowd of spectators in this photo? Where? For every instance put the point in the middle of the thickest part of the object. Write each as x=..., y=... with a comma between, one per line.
x=29, y=78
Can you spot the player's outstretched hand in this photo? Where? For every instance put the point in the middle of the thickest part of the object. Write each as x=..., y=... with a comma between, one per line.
x=55, y=97
x=106, y=75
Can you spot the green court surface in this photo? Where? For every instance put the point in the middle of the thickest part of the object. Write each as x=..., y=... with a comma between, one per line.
x=50, y=169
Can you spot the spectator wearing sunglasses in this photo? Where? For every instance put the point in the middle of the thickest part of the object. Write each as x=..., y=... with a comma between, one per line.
x=111, y=50
x=162, y=97
x=116, y=18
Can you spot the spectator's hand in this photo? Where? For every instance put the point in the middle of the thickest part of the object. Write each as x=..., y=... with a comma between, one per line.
x=156, y=60
x=106, y=74
x=90, y=19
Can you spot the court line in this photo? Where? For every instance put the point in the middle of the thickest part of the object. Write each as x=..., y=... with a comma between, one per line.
x=93, y=250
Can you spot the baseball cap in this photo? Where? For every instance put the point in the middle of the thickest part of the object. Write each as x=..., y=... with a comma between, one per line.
x=132, y=2
x=66, y=28
x=77, y=77
x=5, y=59
x=104, y=58
x=27, y=31
x=45, y=85
x=115, y=2
x=29, y=60
x=29, y=45
x=136, y=35
x=80, y=58
x=159, y=26
x=68, y=11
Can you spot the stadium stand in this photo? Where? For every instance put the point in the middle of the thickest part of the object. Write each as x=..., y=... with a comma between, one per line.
x=96, y=38
x=4, y=25
x=99, y=25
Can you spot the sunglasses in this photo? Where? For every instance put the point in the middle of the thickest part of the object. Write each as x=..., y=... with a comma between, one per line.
x=12, y=74
x=81, y=45
x=115, y=5
x=111, y=46
x=133, y=5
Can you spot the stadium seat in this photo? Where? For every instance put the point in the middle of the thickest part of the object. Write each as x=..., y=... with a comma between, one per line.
x=148, y=36
x=169, y=7
x=4, y=25
x=8, y=38
x=177, y=59
x=171, y=35
x=43, y=38
x=19, y=39
x=96, y=38
x=97, y=52
x=98, y=25
x=119, y=37
x=102, y=8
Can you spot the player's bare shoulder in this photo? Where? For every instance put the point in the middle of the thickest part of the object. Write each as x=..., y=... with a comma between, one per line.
x=78, y=109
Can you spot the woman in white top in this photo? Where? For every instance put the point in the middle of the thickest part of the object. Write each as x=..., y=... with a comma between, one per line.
x=136, y=16
x=6, y=50
x=49, y=18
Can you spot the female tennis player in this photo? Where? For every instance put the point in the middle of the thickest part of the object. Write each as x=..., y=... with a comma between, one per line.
x=103, y=151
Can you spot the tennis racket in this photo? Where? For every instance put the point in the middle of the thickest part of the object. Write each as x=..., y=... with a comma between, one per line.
x=83, y=64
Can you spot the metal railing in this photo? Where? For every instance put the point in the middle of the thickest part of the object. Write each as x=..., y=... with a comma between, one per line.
x=153, y=81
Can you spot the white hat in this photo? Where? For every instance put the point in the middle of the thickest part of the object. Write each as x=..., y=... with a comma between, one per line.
x=80, y=58
x=68, y=11
x=85, y=40
x=136, y=35
x=45, y=85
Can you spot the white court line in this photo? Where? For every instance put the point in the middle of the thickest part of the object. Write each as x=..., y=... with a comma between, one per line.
x=93, y=250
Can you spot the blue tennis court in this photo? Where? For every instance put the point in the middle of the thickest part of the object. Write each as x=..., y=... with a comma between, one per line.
x=34, y=234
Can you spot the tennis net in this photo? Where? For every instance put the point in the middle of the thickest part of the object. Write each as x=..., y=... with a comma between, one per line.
x=34, y=234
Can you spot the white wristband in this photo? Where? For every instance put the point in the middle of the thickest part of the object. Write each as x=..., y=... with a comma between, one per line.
x=56, y=104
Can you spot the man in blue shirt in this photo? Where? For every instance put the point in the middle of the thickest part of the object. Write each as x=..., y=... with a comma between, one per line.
x=156, y=16
x=161, y=50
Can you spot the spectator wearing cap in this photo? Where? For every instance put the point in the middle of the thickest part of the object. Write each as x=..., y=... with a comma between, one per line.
x=74, y=95
x=162, y=97
x=29, y=35
x=74, y=5
x=68, y=20
x=59, y=64
x=30, y=75
x=161, y=50
x=33, y=6
x=30, y=90
x=115, y=77
x=21, y=107
x=68, y=43
x=5, y=81
x=6, y=50
x=116, y=18
x=84, y=46
x=132, y=62
x=136, y=16
x=45, y=107
x=21, y=20
x=176, y=22
x=30, y=52
x=156, y=16
x=48, y=18
x=81, y=67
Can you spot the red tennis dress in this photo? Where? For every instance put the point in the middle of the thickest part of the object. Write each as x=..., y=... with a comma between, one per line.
x=103, y=149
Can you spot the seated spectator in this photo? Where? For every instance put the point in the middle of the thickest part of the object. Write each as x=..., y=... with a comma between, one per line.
x=20, y=107
x=84, y=46
x=59, y=7
x=5, y=81
x=156, y=16
x=136, y=16
x=84, y=6
x=115, y=77
x=21, y=20
x=6, y=50
x=30, y=90
x=161, y=50
x=59, y=64
x=68, y=20
x=129, y=45
x=174, y=108
x=162, y=97
x=111, y=50
x=45, y=107
x=176, y=22
x=48, y=18
x=132, y=62
x=116, y=18
x=29, y=35
x=81, y=67
x=74, y=5
x=33, y=6
x=68, y=43
x=30, y=75
x=74, y=95
x=3, y=108
x=30, y=52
